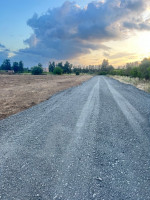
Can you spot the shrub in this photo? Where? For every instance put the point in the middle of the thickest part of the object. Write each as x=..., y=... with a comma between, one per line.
x=37, y=70
x=58, y=71
x=77, y=73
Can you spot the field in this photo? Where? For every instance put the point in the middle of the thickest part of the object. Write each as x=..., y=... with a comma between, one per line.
x=19, y=92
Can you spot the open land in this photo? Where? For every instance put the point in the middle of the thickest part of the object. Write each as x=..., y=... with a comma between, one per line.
x=19, y=92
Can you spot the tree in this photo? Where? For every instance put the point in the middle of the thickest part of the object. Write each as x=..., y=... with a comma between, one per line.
x=58, y=71
x=15, y=67
x=105, y=64
x=144, y=66
x=77, y=73
x=60, y=65
x=20, y=67
x=67, y=68
x=6, y=65
x=39, y=65
x=36, y=70
x=106, y=68
x=134, y=72
x=51, y=66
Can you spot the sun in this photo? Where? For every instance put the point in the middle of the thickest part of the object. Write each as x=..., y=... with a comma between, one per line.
x=143, y=43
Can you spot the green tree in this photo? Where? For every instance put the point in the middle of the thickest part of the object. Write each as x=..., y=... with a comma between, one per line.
x=6, y=65
x=144, y=66
x=105, y=63
x=15, y=67
x=134, y=72
x=20, y=67
x=104, y=66
x=77, y=73
x=51, y=66
x=58, y=70
x=67, y=68
x=36, y=70
x=60, y=65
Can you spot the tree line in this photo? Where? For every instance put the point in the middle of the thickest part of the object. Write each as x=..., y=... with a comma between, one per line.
x=59, y=68
x=68, y=68
x=141, y=70
x=17, y=67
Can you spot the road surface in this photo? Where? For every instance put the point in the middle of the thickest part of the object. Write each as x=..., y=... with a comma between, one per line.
x=90, y=142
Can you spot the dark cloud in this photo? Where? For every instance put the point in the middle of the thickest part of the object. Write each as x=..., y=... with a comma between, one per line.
x=70, y=31
x=4, y=53
x=2, y=46
x=138, y=26
x=3, y=56
x=133, y=5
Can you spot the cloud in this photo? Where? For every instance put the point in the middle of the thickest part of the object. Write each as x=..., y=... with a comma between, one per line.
x=138, y=26
x=3, y=56
x=119, y=55
x=70, y=31
x=133, y=5
x=2, y=46
x=4, y=53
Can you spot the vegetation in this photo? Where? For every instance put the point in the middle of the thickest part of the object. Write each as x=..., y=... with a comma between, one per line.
x=6, y=65
x=135, y=70
x=37, y=70
x=52, y=67
x=66, y=68
x=58, y=70
x=77, y=73
x=139, y=83
x=16, y=67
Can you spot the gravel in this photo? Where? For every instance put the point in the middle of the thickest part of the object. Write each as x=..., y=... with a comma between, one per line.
x=88, y=142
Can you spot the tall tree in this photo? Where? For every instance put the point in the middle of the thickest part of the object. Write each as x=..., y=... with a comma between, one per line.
x=105, y=64
x=144, y=68
x=67, y=68
x=60, y=65
x=20, y=67
x=51, y=66
x=15, y=67
x=6, y=65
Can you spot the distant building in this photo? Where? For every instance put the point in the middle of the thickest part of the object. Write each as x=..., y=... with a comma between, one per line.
x=7, y=72
x=45, y=69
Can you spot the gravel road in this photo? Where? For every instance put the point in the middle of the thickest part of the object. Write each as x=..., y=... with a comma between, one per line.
x=88, y=142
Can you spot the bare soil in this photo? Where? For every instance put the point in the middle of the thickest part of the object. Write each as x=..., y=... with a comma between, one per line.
x=19, y=92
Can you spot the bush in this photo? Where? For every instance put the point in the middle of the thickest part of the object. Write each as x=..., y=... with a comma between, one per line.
x=77, y=73
x=36, y=70
x=58, y=71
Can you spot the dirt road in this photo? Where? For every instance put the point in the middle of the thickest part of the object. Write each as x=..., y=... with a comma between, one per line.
x=88, y=142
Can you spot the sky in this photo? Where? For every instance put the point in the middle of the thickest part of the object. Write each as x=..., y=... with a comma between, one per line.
x=82, y=32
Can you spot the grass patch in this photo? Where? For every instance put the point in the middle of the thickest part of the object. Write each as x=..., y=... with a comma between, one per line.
x=139, y=83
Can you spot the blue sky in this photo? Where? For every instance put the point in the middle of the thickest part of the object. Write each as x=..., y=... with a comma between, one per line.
x=14, y=15
x=117, y=30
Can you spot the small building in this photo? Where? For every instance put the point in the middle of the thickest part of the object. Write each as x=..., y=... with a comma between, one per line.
x=7, y=72
x=45, y=69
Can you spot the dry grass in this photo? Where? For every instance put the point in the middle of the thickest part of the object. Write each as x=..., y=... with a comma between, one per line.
x=141, y=84
x=19, y=92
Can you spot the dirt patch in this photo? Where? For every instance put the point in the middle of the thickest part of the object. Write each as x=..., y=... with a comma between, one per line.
x=19, y=92
x=141, y=84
